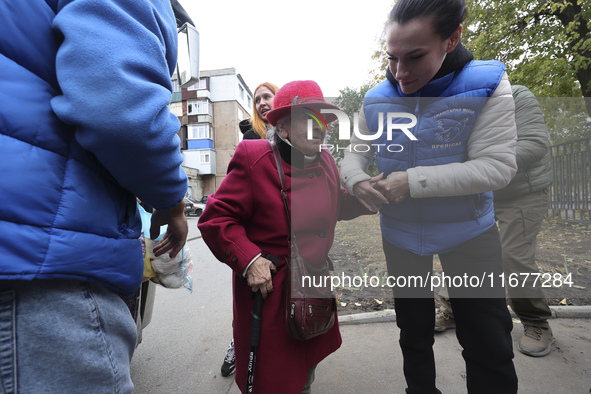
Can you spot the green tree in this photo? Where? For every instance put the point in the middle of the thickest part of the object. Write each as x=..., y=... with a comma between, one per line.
x=566, y=118
x=379, y=55
x=546, y=46
x=350, y=101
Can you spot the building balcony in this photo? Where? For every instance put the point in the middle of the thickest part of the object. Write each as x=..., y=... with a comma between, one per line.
x=202, y=160
x=176, y=97
x=193, y=119
x=204, y=143
x=203, y=93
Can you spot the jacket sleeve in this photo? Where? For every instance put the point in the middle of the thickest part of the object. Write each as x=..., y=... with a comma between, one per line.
x=354, y=163
x=348, y=205
x=532, y=134
x=491, y=154
x=222, y=222
x=114, y=67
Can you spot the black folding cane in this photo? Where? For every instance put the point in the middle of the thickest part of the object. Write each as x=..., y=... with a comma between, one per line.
x=255, y=329
x=255, y=332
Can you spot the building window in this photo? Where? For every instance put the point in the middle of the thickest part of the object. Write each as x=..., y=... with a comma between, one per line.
x=241, y=91
x=175, y=85
x=197, y=107
x=176, y=108
x=202, y=84
x=249, y=101
x=198, y=132
x=204, y=158
x=240, y=114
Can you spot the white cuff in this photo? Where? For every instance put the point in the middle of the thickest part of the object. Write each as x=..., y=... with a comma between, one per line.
x=249, y=264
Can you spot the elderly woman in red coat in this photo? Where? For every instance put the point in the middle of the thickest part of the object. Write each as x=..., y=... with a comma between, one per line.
x=245, y=220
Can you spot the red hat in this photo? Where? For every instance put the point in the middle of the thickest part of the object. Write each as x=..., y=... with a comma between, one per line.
x=299, y=95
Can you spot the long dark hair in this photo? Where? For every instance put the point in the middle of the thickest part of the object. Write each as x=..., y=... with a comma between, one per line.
x=446, y=15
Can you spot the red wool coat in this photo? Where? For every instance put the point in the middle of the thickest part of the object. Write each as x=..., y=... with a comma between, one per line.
x=245, y=217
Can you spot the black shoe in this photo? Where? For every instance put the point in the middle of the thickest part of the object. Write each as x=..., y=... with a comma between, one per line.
x=229, y=365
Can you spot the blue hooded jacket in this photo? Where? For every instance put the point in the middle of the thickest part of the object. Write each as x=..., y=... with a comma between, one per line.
x=84, y=128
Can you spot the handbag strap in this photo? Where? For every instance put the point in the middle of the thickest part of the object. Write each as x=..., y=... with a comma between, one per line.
x=291, y=238
x=281, y=173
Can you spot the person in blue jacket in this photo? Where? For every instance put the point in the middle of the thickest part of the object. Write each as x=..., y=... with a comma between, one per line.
x=84, y=129
x=452, y=144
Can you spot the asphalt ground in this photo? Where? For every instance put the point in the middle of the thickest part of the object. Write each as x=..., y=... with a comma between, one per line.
x=184, y=345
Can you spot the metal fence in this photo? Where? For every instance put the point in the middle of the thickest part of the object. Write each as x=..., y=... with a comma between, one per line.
x=570, y=197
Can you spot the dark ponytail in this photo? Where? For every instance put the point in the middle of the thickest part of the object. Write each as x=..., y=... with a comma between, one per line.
x=446, y=15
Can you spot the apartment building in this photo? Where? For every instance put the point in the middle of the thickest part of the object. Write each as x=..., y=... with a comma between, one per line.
x=209, y=112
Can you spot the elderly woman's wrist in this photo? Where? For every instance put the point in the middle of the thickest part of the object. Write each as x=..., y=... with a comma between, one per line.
x=245, y=272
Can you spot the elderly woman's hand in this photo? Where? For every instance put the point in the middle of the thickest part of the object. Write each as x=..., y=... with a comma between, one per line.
x=367, y=194
x=395, y=187
x=258, y=276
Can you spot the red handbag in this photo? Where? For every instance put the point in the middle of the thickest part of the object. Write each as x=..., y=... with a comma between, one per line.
x=312, y=312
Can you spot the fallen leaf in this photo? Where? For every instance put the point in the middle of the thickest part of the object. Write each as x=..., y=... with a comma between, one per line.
x=357, y=304
x=343, y=304
x=378, y=301
x=563, y=302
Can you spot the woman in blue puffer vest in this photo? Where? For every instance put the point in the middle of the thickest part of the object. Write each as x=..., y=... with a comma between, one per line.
x=442, y=126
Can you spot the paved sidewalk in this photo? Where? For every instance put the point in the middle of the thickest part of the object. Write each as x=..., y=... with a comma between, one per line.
x=184, y=346
x=370, y=362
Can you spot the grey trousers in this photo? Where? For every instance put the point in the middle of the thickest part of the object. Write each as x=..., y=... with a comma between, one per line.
x=520, y=220
x=311, y=377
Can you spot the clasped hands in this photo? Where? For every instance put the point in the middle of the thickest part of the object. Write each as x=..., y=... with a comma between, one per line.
x=376, y=191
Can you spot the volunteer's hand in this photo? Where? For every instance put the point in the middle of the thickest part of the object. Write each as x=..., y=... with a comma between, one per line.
x=395, y=187
x=176, y=234
x=367, y=194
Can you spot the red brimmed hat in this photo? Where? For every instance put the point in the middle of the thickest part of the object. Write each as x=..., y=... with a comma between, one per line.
x=297, y=96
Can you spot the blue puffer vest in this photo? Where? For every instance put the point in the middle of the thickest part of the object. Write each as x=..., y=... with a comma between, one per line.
x=445, y=111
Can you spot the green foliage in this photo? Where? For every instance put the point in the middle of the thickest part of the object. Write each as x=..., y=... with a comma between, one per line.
x=566, y=118
x=380, y=56
x=546, y=46
x=349, y=101
x=538, y=40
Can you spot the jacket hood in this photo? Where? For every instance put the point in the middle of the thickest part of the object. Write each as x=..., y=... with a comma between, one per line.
x=245, y=125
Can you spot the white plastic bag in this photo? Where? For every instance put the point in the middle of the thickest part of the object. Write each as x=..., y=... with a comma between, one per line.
x=172, y=273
